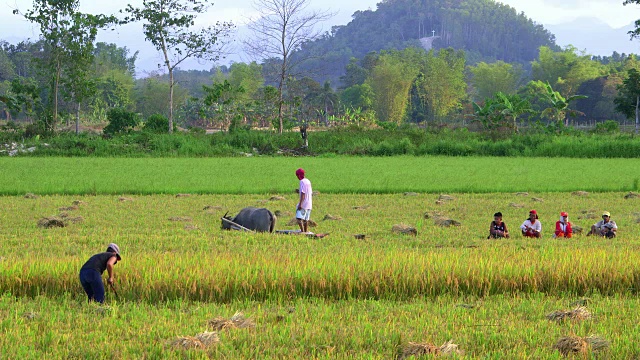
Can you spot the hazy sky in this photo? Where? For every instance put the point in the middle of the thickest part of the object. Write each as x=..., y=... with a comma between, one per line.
x=13, y=28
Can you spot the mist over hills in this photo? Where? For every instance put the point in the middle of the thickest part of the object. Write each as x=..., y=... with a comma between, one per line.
x=595, y=36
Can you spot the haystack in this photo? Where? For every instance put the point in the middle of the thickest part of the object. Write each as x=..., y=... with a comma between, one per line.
x=578, y=314
x=51, y=222
x=632, y=195
x=68, y=208
x=517, y=206
x=123, y=199
x=579, y=193
x=180, y=218
x=404, y=229
x=575, y=345
x=76, y=220
x=421, y=349
x=332, y=217
x=277, y=198
x=200, y=341
x=190, y=227
x=78, y=202
x=432, y=214
x=294, y=222
x=537, y=199
x=361, y=207
x=410, y=194
x=577, y=229
x=237, y=321
x=30, y=196
x=444, y=197
x=359, y=236
x=280, y=213
x=522, y=194
x=182, y=195
x=440, y=202
x=446, y=222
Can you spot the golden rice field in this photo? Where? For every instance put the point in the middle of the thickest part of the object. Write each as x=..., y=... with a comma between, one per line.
x=336, y=297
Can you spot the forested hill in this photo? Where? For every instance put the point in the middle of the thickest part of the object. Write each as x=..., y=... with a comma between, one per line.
x=486, y=30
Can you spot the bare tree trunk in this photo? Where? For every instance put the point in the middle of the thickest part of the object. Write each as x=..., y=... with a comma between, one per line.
x=170, y=100
x=78, y=119
x=55, y=94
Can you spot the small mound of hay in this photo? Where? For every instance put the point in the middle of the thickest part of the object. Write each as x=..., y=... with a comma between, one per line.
x=182, y=195
x=359, y=236
x=577, y=229
x=237, y=321
x=294, y=221
x=440, y=202
x=30, y=196
x=76, y=220
x=404, y=229
x=277, y=198
x=280, y=213
x=578, y=314
x=78, y=202
x=446, y=222
x=579, y=193
x=190, y=227
x=588, y=216
x=444, y=197
x=517, y=206
x=180, y=218
x=361, y=207
x=30, y=315
x=537, y=199
x=522, y=194
x=210, y=207
x=632, y=195
x=200, y=341
x=421, y=349
x=68, y=208
x=572, y=345
x=332, y=217
x=123, y=199
x=410, y=194
x=63, y=215
x=51, y=222
x=433, y=214
x=576, y=345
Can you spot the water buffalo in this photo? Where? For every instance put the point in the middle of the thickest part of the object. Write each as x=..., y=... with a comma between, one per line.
x=258, y=219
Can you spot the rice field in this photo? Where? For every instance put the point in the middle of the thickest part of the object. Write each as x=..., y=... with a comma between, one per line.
x=337, y=175
x=336, y=297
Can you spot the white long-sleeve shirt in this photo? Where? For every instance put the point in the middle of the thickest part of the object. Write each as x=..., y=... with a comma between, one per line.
x=537, y=226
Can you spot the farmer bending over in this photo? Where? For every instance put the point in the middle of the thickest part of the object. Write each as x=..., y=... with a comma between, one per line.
x=303, y=210
x=563, y=226
x=498, y=229
x=605, y=227
x=91, y=272
x=531, y=227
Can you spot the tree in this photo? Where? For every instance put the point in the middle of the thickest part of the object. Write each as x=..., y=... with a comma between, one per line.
x=168, y=24
x=628, y=100
x=282, y=29
x=489, y=79
x=68, y=36
x=565, y=70
x=636, y=32
x=559, y=108
x=444, y=86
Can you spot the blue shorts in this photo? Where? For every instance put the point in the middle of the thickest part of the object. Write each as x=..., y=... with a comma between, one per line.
x=303, y=214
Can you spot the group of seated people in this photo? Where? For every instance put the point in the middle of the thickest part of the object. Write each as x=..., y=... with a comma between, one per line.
x=532, y=227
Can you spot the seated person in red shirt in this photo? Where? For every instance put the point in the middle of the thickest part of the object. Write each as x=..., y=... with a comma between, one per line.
x=563, y=226
x=498, y=229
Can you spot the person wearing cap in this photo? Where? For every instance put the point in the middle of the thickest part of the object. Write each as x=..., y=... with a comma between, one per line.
x=91, y=272
x=563, y=226
x=303, y=209
x=498, y=229
x=531, y=227
x=605, y=227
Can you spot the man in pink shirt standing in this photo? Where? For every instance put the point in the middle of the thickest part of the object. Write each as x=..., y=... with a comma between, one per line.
x=303, y=211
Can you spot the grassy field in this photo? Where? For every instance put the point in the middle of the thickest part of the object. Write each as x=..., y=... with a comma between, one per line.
x=337, y=297
x=331, y=175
